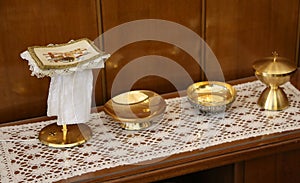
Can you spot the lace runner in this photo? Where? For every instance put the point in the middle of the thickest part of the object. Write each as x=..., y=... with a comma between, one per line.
x=24, y=159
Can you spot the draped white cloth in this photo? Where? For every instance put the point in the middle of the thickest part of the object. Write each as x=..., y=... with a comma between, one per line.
x=70, y=90
x=69, y=97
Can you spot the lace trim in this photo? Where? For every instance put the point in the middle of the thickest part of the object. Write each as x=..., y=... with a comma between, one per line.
x=182, y=129
x=36, y=71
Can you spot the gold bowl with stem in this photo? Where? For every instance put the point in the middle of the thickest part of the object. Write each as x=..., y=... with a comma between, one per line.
x=273, y=72
x=136, y=110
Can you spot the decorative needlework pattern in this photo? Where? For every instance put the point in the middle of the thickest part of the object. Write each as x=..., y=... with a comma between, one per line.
x=182, y=128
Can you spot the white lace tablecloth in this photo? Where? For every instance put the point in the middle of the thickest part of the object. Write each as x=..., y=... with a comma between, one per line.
x=25, y=159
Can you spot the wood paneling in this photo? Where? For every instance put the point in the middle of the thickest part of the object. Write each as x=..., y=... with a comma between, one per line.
x=35, y=22
x=222, y=174
x=240, y=32
x=140, y=51
x=288, y=166
x=117, y=12
x=237, y=31
x=278, y=168
x=187, y=13
x=261, y=170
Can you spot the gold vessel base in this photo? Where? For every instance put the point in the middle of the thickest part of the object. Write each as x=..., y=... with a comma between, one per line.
x=135, y=126
x=63, y=136
x=273, y=99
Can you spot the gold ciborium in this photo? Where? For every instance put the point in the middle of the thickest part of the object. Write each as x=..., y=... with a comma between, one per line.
x=273, y=71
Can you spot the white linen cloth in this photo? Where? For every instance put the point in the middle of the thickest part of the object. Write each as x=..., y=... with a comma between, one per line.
x=70, y=90
x=69, y=97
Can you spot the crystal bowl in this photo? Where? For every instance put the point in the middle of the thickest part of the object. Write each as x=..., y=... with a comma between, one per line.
x=211, y=96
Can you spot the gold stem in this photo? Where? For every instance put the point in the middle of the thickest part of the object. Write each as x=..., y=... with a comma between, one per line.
x=64, y=130
x=273, y=87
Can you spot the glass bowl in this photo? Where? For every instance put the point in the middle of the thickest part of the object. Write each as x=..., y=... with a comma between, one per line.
x=211, y=96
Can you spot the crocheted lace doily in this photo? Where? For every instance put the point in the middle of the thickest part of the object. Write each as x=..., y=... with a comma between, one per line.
x=24, y=159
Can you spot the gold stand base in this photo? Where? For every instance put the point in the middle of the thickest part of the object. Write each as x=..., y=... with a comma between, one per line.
x=65, y=135
x=144, y=124
x=273, y=99
x=135, y=126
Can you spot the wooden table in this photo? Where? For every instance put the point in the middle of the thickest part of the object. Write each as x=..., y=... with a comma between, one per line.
x=190, y=162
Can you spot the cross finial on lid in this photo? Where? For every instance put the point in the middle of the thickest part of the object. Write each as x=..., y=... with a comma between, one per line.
x=275, y=55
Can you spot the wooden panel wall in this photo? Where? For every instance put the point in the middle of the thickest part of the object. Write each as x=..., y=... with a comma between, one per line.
x=222, y=174
x=237, y=31
x=240, y=32
x=278, y=168
x=35, y=22
x=117, y=12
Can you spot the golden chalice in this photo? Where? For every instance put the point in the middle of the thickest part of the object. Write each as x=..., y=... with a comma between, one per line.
x=274, y=72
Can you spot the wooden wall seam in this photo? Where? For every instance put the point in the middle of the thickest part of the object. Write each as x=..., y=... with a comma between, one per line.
x=239, y=172
x=203, y=36
x=101, y=47
x=297, y=61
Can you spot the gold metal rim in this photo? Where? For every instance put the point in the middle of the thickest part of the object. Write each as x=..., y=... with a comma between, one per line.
x=160, y=108
x=228, y=87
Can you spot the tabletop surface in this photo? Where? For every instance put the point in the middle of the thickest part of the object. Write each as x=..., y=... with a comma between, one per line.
x=197, y=160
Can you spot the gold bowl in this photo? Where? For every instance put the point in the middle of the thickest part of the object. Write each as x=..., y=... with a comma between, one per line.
x=136, y=110
x=211, y=96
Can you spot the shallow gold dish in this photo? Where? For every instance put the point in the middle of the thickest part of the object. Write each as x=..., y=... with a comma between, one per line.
x=136, y=110
x=211, y=96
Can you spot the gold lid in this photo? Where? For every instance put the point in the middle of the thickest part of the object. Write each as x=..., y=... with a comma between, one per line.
x=274, y=65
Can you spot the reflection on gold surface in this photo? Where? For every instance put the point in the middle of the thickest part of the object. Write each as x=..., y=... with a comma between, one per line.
x=211, y=96
x=273, y=71
x=57, y=136
x=129, y=98
x=135, y=110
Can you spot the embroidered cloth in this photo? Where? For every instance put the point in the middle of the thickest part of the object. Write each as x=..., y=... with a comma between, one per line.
x=71, y=87
x=182, y=128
